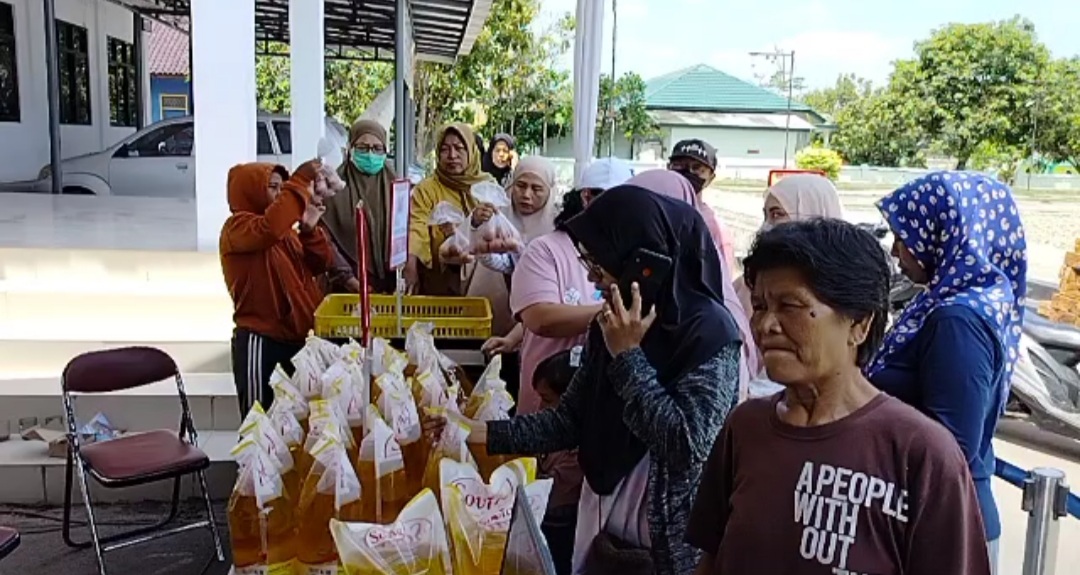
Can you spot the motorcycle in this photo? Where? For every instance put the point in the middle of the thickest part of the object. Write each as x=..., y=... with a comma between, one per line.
x=1045, y=384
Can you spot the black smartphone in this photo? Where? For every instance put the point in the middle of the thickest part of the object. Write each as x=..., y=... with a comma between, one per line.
x=650, y=270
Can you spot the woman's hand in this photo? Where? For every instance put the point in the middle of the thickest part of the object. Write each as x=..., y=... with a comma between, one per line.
x=311, y=216
x=434, y=424
x=482, y=214
x=624, y=328
x=500, y=345
x=411, y=275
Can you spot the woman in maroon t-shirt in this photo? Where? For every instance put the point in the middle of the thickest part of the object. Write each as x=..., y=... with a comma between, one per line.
x=830, y=476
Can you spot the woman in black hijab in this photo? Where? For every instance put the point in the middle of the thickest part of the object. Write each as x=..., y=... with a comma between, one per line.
x=653, y=390
x=498, y=161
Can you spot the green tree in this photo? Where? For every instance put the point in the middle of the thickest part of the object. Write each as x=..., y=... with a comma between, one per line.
x=1056, y=110
x=848, y=89
x=883, y=128
x=625, y=98
x=816, y=158
x=351, y=84
x=977, y=80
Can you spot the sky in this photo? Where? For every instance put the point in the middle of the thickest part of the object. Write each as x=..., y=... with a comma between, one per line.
x=829, y=37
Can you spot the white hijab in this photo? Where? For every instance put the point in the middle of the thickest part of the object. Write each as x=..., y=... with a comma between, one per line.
x=806, y=196
x=542, y=221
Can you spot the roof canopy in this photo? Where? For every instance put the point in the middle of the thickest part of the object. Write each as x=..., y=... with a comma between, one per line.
x=442, y=29
x=703, y=88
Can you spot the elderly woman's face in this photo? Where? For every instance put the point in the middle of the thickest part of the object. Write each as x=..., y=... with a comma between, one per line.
x=501, y=154
x=802, y=340
x=453, y=155
x=530, y=194
x=369, y=144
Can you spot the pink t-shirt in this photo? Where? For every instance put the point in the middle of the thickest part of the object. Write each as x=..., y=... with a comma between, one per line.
x=548, y=272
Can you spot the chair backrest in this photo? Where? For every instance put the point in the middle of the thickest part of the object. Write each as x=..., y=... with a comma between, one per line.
x=117, y=369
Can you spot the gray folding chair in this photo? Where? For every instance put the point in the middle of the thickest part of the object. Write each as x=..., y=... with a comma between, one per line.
x=134, y=459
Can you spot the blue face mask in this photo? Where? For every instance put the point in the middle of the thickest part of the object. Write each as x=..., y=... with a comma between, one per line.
x=368, y=162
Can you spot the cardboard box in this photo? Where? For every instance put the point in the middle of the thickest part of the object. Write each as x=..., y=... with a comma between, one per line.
x=56, y=440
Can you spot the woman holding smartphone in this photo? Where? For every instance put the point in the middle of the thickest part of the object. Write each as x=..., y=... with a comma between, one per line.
x=660, y=374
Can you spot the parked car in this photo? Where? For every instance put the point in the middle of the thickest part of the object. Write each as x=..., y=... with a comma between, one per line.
x=158, y=161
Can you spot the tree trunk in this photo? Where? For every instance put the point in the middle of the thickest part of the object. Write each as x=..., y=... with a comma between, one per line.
x=961, y=162
x=543, y=144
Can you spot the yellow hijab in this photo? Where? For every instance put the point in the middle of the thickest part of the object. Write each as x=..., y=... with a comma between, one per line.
x=473, y=174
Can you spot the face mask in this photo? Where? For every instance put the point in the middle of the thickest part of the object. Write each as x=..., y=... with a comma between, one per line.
x=368, y=162
x=696, y=181
x=766, y=226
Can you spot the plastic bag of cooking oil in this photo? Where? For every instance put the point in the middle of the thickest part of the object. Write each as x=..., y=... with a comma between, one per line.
x=490, y=379
x=348, y=389
x=452, y=444
x=326, y=415
x=478, y=514
x=381, y=468
x=260, y=427
x=398, y=408
x=489, y=401
x=261, y=516
x=415, y=544
x=352, y=351
x=287, y=394
x=430, y=389
x=292, y=433
x=420, y=346
x=331, y=491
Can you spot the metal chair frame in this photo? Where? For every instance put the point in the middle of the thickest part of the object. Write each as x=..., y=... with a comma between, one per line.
x=139, y=535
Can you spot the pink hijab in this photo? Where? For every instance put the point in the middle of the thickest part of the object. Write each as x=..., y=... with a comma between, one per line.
x=672, y=185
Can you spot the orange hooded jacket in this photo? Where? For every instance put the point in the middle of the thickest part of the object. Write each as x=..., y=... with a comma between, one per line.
x=269, y=268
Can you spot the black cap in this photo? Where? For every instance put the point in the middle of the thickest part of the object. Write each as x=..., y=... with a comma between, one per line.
x=699, y=150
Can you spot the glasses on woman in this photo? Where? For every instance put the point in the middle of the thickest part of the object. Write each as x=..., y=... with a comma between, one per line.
x=369, y=149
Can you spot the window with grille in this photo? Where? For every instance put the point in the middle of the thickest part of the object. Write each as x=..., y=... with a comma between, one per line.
x=74, y=62
x=123, y=96
x=173, y=105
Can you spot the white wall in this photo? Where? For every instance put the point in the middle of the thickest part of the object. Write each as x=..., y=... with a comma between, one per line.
x=24, y=146
x=739, y=143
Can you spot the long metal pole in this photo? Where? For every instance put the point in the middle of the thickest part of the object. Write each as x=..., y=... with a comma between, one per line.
x=1044, y=499
x=614, y=82
x=790, y=95
x=52, y=75
x=401, y=134
x=137, y=49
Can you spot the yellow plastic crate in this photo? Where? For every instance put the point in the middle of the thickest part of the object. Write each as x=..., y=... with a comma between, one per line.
x=454, y=317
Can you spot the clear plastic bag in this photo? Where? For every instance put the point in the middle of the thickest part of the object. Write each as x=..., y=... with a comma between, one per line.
x=262, y=523
x=452, y=445
x=489, y=401
x=415, y=544
x=381, y=469
x=399, y=410
x=497, y=235
x=454, y=227
x=478, y=513
x=258, y=426
x=331, y=491
x=289, y=396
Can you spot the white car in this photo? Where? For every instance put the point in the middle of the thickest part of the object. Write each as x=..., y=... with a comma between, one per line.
x=158, y=160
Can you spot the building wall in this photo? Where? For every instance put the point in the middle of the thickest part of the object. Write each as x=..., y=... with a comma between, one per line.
x=742, y=144
x=167, y=86
x=732, y=144
x=25, y=145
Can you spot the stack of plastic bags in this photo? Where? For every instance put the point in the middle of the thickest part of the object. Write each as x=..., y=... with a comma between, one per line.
x=334, y=472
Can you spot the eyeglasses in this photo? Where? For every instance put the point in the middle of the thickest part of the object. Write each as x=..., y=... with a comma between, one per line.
x=592, y=267
x=369, y=149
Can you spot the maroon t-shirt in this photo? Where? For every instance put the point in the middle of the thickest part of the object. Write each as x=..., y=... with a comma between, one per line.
x=884, y=491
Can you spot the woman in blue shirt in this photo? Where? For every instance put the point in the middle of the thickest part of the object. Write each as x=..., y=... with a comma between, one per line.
x=952, y=350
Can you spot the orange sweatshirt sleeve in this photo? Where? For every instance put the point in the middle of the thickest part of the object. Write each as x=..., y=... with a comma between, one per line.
x=318, y=253
x=246, y=232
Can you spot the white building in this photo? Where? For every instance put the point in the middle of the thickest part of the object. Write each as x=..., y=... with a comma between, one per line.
x=103, y=85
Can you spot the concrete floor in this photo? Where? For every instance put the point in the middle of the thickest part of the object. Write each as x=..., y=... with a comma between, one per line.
x=43, y=552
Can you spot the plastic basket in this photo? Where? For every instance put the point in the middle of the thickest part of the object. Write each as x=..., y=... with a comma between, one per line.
x=454, y=317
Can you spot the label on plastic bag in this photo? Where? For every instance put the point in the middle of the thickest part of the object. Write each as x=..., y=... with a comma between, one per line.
x=408, y=533
x=327, y=569
x=287, y=568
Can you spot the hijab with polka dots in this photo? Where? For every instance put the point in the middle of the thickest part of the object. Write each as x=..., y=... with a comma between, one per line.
x=965, y=229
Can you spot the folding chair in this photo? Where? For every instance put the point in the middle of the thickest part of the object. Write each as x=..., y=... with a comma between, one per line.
x=135, y=459
x=9, y=541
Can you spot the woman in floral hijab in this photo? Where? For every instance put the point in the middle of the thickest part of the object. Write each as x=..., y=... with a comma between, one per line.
x=952, y=351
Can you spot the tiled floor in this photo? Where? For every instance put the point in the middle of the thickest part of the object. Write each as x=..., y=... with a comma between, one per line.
x=91, y=222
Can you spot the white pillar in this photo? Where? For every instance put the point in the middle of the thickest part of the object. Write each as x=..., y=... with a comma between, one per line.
x=588, y=41
x=306, y=84
x=223, y=50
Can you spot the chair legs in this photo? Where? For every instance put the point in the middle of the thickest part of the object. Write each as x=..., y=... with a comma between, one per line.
x=133, y=536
